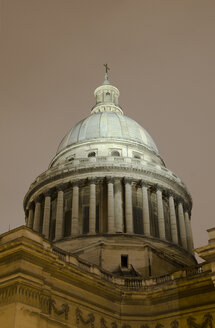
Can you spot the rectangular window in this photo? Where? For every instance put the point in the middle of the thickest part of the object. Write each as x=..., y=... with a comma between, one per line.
x=124, y=261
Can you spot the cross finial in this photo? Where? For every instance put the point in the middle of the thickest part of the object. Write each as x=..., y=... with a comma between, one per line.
x=106, y=68
x=106, y=73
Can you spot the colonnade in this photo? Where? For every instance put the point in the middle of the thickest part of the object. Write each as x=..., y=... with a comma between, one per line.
x=119, y=212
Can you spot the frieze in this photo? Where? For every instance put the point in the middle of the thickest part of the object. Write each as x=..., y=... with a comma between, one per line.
x=26, y=295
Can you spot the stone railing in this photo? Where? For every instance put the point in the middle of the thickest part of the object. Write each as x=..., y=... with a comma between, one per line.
x=134, y=283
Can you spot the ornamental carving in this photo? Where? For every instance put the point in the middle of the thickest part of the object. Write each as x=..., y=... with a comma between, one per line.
x=63, y=310
x=206, y=323
x=79, y=318
x=144, y=326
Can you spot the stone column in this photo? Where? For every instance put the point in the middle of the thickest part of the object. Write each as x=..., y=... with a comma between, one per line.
x=46, y=215
x=30, y=217
x=111, y=223
x=75, y=210
x=118, y=205
x=146, y=219
x=161, y=223
x=182, y=225
x=128, y=206
x=92, y=210
x=190, y=245
x=173, y=222
x=59, y=214
x=37, y=214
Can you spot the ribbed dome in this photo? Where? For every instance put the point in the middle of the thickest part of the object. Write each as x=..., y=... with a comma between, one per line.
x=107, y=125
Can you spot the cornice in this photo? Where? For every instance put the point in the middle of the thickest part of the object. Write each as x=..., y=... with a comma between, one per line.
x=107, y=168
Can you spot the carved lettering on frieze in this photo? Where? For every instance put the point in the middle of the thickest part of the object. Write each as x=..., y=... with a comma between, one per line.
x=103, y=323
x=206, y=323
x=114, y=325
x=159, y=325
x=174, y=324
x=79, y=318
x=63, y=310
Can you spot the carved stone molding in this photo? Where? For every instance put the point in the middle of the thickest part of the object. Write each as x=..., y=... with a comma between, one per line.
x=206, y=323
x=79, y=318
x=63, y=310
x=144, y=326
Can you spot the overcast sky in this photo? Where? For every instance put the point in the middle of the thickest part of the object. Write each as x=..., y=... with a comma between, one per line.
x=161, y=55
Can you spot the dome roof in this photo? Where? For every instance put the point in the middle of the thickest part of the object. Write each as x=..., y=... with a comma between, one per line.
x=107, y=124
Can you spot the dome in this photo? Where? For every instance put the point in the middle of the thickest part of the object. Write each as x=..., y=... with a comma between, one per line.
x=107, y=194
x=109, y=125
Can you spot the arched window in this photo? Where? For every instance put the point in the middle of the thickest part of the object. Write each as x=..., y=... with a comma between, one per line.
x=107, y=96
x=115, y=153
x=92, y=154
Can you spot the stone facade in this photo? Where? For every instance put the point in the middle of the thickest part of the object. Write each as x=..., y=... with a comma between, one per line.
x=43, y=286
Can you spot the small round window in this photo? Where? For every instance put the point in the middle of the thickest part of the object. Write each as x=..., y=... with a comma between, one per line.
x=115, y=153
x=92, y=154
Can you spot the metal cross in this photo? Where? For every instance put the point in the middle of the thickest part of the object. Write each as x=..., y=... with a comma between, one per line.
x=106, y=68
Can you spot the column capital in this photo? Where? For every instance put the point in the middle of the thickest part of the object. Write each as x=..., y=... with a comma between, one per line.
x=170, y=193
x=186, y=208
x=76, y=183
x=156, y=188
x=109, y=179
x=117, y=179
x=38, y=199
x=127, y=180
x=47, y=193
x=61, y=187
x=143, y=183
x=31, y=206
x=93, y=180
